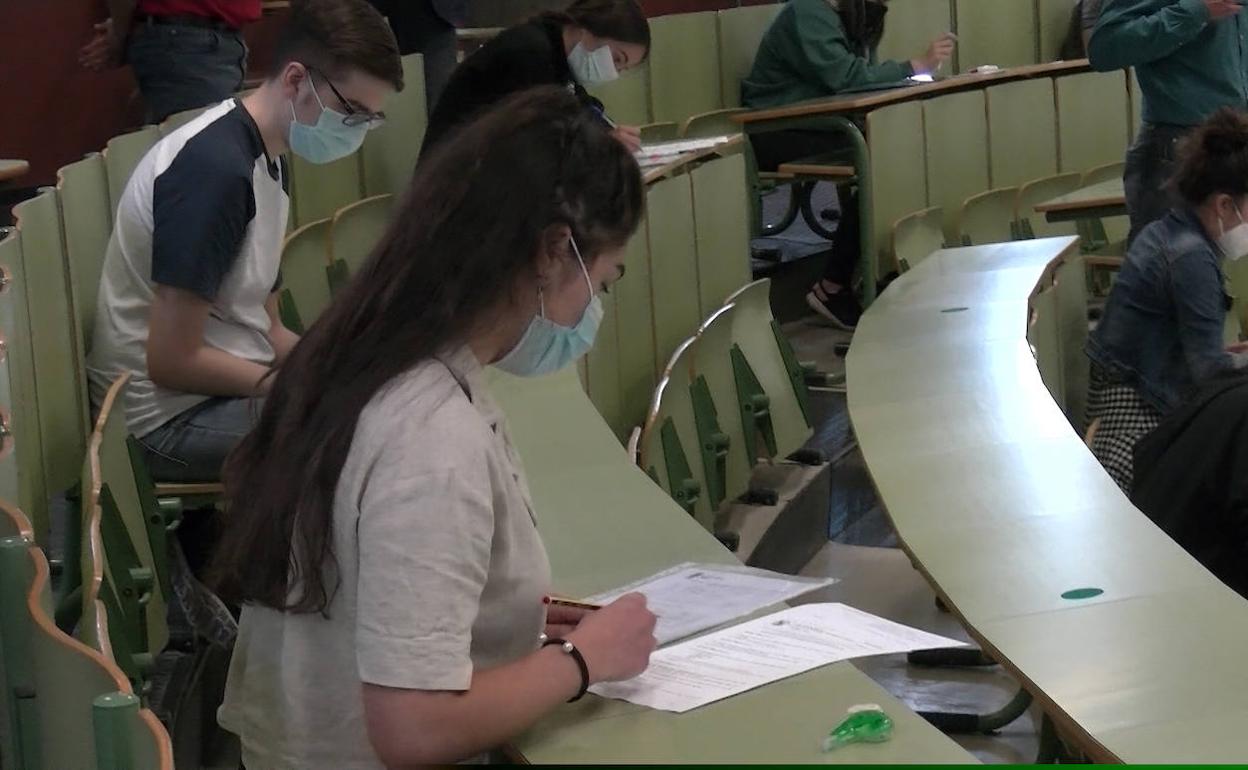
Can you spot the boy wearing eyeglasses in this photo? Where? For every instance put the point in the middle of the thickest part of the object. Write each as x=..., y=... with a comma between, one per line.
x=187, y=299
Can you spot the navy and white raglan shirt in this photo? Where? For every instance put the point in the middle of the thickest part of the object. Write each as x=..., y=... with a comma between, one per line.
x=204, y=211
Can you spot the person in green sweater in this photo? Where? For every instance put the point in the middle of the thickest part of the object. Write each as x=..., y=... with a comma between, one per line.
x=814, y=49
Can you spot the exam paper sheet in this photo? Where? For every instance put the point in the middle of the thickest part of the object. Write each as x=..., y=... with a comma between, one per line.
x=662, y=153
x=764, y=650
x=689, y=597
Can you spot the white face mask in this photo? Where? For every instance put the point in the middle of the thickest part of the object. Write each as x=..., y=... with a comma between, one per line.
x=1234, y=242
x=592, y=67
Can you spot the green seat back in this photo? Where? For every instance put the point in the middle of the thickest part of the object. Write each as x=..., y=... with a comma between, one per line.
x=988, y=217
x=1022, y=131
x=1000, y=32
x=82, y=188
x=60, y=377
x=712, y=361
x=10, y=481
x=721, y=210
x=634, y=310
x=179, y=119
x=754, y=333
x=23, y=406
x=1053, y=18
x=121, y=155
x=110, y=451
x=1041, y=190
x=1093, y=114
x=916, y=236
x=673, y=265
x=684, y=66
x=627, y=98
x=356, y=229
x=741, y=31
x=1105, y=173
x=1071, y=289
x=956, y=138
x=898, y=170
x=604, y=521
x=602, y=371
x=669, y=441
x=82, y=712
x=305, y=283
x=911, y=26
x=389, y=152
x=317, y=191
x=1043, y=333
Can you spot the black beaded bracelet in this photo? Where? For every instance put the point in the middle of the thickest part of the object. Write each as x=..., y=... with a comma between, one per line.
x=570, y=649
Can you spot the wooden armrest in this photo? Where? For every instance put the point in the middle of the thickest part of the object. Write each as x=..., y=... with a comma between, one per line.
x=190, y=490
x=817, y=170
x=774, y=176
x=1093, y=260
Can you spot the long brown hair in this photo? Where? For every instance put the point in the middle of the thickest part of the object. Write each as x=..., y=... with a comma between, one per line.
x=621, y=20
x=465, y=236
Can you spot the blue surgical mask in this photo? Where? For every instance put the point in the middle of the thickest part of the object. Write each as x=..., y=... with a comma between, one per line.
x=329, y=139
x=592, y=67
x=547, y=346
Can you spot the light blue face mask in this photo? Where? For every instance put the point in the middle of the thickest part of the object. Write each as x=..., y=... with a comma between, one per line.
x=592, y=67
x=329, y=139
x=547, y=346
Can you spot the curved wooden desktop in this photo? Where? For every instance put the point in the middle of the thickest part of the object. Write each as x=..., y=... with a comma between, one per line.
x=1004, y=510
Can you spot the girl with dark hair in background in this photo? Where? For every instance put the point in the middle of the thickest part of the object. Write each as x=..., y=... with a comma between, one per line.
x=1162, y=331
x=820, y=48
x=380, y=535
x=588, y=44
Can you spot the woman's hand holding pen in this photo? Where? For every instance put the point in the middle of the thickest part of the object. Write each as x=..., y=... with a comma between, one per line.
x=616, y=640
x=629, y=136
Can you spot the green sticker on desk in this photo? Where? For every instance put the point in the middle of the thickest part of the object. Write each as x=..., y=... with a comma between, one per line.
x=1076, y=594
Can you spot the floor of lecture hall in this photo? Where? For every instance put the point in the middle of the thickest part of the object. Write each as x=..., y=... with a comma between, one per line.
x=876, y=576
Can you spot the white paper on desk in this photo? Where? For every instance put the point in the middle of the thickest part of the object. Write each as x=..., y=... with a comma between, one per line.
x=689, y=597
x=662, y=153
x=764, y=650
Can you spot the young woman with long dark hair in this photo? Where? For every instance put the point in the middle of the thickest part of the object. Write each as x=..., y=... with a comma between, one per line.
x=380, y=535
x=589, y=43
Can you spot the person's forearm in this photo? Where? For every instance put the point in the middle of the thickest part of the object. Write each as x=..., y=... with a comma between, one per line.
x=283, y=341
x=207, y=371
x=443, y=727
x=122, y=14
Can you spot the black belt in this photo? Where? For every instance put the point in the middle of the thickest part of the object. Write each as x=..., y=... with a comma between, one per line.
x=187, y=21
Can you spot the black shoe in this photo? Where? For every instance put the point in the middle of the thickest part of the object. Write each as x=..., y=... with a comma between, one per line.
x=841, y=309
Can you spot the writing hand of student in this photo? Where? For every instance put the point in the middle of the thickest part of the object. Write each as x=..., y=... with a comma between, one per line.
x=937, y=54
x=1222, y=9
x=629, y=136
x=1237, y=347
x=562, y=620
x=616, y=640
x=104, y=49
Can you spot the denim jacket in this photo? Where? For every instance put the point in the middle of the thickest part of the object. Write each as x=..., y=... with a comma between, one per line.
x=1162, y=331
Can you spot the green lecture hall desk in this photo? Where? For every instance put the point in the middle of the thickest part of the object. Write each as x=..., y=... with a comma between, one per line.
x=1125, y=640
x=635, y=530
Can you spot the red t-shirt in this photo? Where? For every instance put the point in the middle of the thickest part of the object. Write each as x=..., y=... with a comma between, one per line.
x=235, y=13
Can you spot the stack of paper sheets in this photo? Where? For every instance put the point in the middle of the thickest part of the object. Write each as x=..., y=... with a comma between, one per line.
x=652, y=155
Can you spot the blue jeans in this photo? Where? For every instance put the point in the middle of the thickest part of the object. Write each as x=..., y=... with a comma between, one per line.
x=192, y=447
x=183, y=67
x=1150, y=162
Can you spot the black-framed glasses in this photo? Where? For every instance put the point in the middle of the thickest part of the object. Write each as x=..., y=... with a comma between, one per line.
x=355, y=116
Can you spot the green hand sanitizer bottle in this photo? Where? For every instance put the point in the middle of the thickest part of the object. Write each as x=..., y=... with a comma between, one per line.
x=866, y=723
